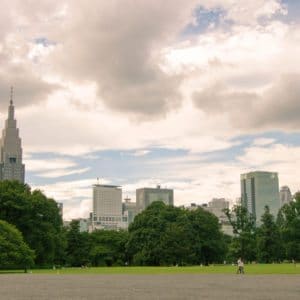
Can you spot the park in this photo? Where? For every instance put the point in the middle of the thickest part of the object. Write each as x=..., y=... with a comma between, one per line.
x=167, y=253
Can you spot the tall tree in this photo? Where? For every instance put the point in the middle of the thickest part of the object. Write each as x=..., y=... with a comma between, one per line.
x=243, y=243
x=207, y=240
x=289, y=225
x=269, y=244
x=37, y=217
x=14, y=252
x=78, y=245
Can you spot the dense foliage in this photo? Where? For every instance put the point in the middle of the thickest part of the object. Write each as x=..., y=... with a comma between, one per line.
x=274, y=240
x=269, y=243
x=38, y=219
x=243, y=242
x=159, y=236
x=14, y=252
x=99, y=248
x=289, y=226
x=167, y=235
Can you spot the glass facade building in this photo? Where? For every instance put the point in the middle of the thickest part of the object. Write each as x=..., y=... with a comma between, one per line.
x=260, y=189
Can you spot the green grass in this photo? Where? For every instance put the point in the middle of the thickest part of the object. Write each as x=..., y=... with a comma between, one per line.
x=217, y=269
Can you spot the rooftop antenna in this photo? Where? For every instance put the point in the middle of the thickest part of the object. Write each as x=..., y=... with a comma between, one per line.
x=98, y=180
x=11, y=95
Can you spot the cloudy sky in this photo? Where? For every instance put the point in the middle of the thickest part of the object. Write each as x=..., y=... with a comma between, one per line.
x=187, y=94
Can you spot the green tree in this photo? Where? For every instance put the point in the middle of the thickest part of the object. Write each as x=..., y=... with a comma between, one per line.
x=174, y=245
x=147, y=235
x=289, y=224
x=37, y=217
x=167, y=235
x=207, y=240
x=269, y=244
x=46, y=234
x=243, y=243
x=108, y=247
x=78, y=245
x=14, y=252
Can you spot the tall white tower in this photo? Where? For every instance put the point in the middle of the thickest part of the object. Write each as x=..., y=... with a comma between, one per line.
x=11, y=166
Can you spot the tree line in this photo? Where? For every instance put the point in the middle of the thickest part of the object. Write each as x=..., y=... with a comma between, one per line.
x=32, y=234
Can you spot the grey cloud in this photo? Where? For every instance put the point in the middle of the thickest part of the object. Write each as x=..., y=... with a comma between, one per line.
x=29, y=87
x=217, y=99
x=280, y=105
x=277, y=108
x=117, y=44
x=20, y=23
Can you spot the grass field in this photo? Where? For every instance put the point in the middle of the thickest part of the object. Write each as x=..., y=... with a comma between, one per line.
x=254, y=269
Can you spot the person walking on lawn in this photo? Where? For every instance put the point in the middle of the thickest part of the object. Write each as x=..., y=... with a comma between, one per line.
x=240, y=264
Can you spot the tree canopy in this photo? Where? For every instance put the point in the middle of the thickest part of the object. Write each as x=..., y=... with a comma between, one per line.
x=269, y=244
x=243, y=243
x=167, y=235
x=289, y=226
x=37, y=217
x=14, y=252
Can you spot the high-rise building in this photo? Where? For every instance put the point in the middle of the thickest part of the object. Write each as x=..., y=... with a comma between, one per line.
x=260, y=189
x=217, y=206
x=107, y=207
x=145, y=196
x=11, y=166
x=193, y=206
x=129, y=210
x=285, y=195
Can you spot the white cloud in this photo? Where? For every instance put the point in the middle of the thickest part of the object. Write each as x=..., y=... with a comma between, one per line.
x=37, y=165
x=75, y=195
x=120, y=75
x=61, y=173
x=141, y=152
x=53, y=168
x=284, y=159
x=263, y=141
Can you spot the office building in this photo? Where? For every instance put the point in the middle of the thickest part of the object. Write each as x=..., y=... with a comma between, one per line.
x=146, y=196
x=107, y=207
x=11, y=165
x=285, y=195
x=84, y=224
x=217, y=206
x=260, y=189
x=129, y=210
x=195, y=206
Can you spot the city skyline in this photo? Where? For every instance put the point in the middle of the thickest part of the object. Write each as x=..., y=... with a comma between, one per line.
x=81, y=115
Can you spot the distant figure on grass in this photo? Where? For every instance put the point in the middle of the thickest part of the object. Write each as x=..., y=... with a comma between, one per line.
x=240, y=264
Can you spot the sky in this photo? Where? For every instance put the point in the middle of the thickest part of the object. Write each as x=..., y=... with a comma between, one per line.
x=185, y=94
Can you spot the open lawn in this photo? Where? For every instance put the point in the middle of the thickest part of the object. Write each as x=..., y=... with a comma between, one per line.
x=254, y=269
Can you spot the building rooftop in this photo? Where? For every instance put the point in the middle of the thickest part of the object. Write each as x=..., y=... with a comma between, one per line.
x=107, y=186
x=155, y=188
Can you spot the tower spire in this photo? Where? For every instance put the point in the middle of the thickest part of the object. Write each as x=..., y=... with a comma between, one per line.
x=11, y=109
x=11, y=95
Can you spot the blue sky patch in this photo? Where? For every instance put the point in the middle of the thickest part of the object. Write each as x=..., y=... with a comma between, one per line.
x=206, y=19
